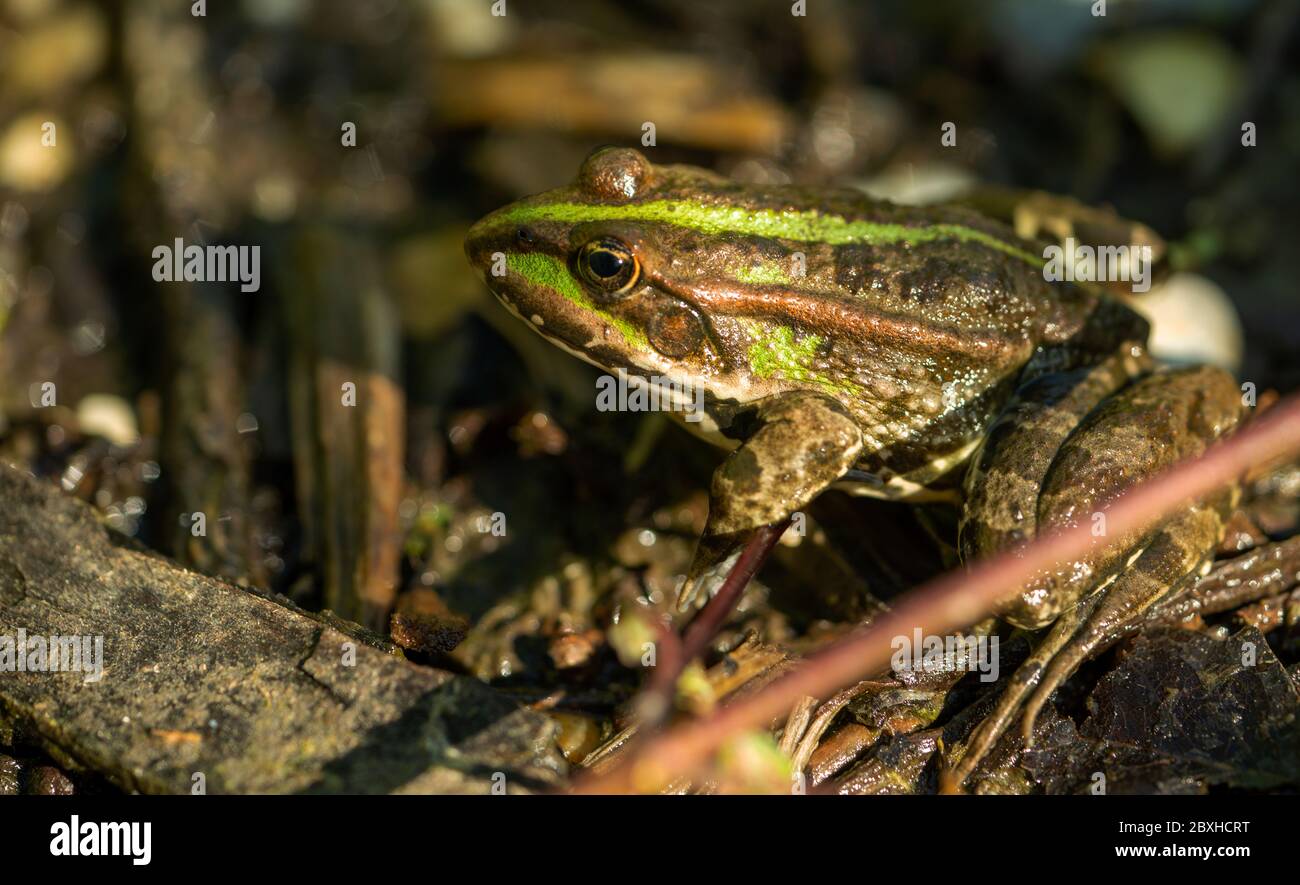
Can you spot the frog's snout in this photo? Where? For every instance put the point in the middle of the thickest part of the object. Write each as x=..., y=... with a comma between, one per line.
x=478, y=244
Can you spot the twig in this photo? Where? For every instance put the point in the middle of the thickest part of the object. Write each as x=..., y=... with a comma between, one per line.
x=796, y=723
x=826, y=714
x=952, y=602
x=1265, y=571
x=709, y=621
x=656, y=701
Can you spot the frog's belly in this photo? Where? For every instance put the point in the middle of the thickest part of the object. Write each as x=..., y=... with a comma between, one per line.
x=706, y=428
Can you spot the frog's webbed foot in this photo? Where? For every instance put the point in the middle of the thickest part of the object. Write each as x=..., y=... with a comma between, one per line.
x=804, y=443
x=1135, y=433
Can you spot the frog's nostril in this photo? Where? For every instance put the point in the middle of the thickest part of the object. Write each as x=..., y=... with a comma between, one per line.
x=524, y=236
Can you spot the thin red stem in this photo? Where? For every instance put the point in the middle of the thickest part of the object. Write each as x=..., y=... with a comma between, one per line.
x=656, y=701
x=709, y=621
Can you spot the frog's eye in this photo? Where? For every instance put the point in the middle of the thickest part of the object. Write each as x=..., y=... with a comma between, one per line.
x=609, y=267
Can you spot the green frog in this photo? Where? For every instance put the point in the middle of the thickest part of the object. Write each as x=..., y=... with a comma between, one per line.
x=892, y=351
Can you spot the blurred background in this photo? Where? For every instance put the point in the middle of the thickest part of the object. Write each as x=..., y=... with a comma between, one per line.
x=473, y=502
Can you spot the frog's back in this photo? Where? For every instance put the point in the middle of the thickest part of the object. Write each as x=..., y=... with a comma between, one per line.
x=918, y=321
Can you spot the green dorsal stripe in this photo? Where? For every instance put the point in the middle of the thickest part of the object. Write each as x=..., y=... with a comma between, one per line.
x=801, y=225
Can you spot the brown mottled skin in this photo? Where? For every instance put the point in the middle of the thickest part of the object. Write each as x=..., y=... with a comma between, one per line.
x=939, y=365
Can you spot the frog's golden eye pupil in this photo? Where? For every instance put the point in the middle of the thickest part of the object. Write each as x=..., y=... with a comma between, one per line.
x=608, y=267
x=606, y=264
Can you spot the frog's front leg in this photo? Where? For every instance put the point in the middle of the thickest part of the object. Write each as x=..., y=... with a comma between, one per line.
x=1143, y=429
x=803, y=444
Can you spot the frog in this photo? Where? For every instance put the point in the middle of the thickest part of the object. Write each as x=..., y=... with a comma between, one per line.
x=899, y=352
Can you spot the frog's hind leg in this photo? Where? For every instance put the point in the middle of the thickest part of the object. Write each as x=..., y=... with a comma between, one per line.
x=1182, y=551
x=1003, y=486
x=1142, y=430
x=1009, y=471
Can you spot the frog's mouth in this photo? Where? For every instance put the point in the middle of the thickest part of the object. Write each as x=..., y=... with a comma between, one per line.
x=538, y=286
x=571, y=330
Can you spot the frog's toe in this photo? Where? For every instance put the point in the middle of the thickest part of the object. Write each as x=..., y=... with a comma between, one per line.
x=690, y=594
x=1022, y=682
x=1064, y=665
x=714, y=557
